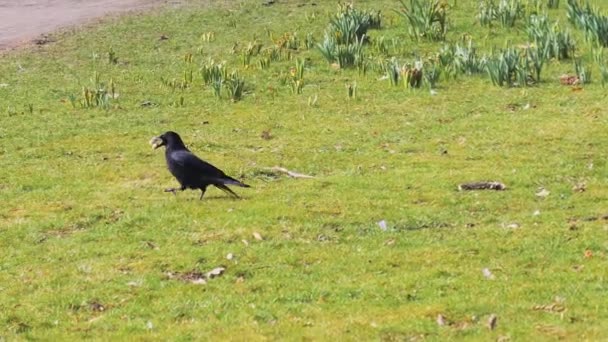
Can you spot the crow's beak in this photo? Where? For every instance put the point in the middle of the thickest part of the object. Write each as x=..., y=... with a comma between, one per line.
x=156, y=142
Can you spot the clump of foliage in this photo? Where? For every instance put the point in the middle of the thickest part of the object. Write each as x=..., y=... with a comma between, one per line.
x=282, y=49
x=505, y=68
x=550, y=39
x=506, y=12
x=275, y=53
x=252, y=49
x=309, y=41
x=216, y=76
x=235, y=85
x=344, y=55
x=411, y=76
x=461, y=59
x=427, y=19
x=582, y=72
x=346, y=34
x=99, y=95
x=432, y=72
x=533, y=7
x=589, y=20
x=604, y=74
x=350, y=25
x=297, y=76
x=552, y=4
x=112, y=57
x=513, y=67
x=598, y=56
x=289, y=40
x=187, y=75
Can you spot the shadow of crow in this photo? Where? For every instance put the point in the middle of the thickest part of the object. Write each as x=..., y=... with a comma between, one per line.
x=190, y=171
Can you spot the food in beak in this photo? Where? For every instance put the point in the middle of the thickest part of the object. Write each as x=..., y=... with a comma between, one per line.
x=156, y=142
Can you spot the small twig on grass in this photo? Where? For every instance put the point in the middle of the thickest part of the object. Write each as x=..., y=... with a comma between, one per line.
x=289, y=173
x=482, y=186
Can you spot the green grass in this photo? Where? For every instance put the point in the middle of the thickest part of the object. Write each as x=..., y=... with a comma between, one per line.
x=84, y=220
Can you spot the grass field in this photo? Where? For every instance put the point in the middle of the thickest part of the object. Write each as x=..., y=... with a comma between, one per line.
x=88, y=237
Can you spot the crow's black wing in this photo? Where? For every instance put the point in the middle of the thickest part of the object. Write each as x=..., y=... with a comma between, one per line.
x=188, y=161
x=193, y=167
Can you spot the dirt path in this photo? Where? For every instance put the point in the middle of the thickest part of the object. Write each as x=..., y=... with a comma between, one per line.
x=22, y=21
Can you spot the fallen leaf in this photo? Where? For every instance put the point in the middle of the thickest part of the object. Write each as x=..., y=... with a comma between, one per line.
x=492, y=322
x=151, y=245
x=266, y=135
x=96, y=306
x=588, y=254
x=566, y=79
x=513, y=225
x=512, y=106
x=382, y=225
x=542, y=192
x=147, y=103
x=229, y=256
x=257, y=236
x=441, y=320
x=487, y=273
x=92, y=320
x=216, y=272
x=580, y=187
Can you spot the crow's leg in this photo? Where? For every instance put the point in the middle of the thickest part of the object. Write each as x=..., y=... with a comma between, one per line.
x=174, y=190
x=203, y=189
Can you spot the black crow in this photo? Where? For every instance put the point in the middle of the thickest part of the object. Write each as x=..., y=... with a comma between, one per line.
x=189, y=170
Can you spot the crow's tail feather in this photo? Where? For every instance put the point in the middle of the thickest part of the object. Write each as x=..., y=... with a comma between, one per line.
x=226, y=190
x=231, y=181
